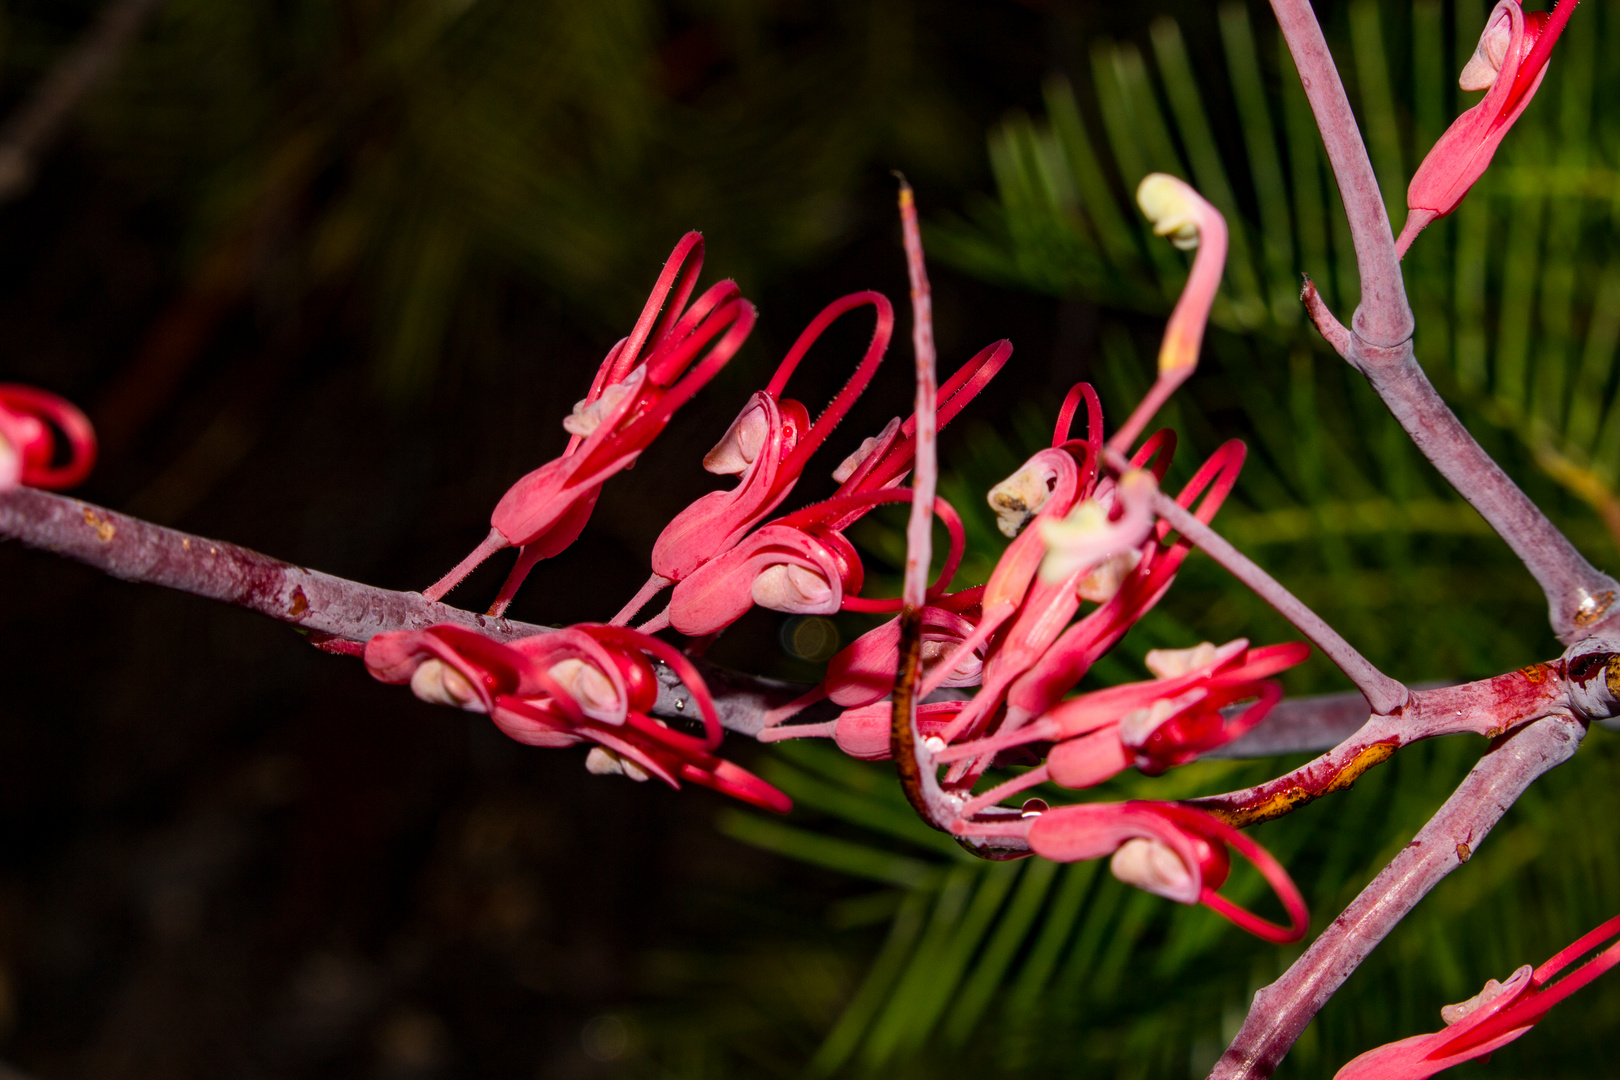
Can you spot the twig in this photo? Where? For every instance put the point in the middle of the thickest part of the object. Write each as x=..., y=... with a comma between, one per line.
x=1281, y=1010
x=1490, y=708
x=31, y=130
x=1384, y=317
x=1379, y=343
x=1302, y=725
x=1383, y=693
x=327, y=608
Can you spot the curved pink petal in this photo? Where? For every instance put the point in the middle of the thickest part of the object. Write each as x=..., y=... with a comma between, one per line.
x=721, y=591
x=32, y=423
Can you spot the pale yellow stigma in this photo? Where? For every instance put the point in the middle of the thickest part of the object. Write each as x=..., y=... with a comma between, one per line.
x=1171, y=206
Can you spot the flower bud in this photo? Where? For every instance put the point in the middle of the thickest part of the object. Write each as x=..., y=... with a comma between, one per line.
x=1021, y=496
x=742, y=443
x=796, y=590
x=587, y=415
x=847, y=467
x=1172, y=663
x=437, y=683
x=1493, y=990
x=1482, y=68
x=1153, y=867
x=604, y=762
x=597, y=696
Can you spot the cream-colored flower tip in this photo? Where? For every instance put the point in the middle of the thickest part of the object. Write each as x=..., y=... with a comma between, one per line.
x=793, y=589
x=1103, y=583
x=1482, y=68
x=1172, y=206
x=1170, y=663
x=587, y=417
x=1020, y=497
x=437, y=683
x=604, y=762
x=597, y=696
x=1072, y=542
x=10, y=465
x=1153, y=867
x=742, y=443
x=847, y=467
x=1493, y=990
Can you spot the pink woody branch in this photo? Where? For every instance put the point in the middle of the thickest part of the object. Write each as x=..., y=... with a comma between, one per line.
x=1281, y=1010
x=331, y=610
x=1379, y=343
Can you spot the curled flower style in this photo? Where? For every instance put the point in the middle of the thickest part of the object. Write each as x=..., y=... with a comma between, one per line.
x=1508, y=64
x=1491, y=1019
x=637, y=389
x=586, y=683
x=767, y=447
x=33, y=425
x=802, y=563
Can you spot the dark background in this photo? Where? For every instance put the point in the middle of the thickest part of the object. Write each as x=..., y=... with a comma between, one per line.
x=327, y=276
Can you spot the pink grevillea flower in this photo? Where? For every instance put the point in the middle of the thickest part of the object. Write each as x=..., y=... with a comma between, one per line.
x=1509, y=64
x=1040, y=656
x=1491, y=1019
x=767, y=447
x=32, y=424
x=1174, y=851
x=1122, y=601
x=1047, y=486
x=632, y=399
x=802, y=563
x=1179, y=212
x=1153, y=725
x=586, y=683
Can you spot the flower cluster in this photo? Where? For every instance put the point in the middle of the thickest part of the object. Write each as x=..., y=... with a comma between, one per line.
x=1084, y=529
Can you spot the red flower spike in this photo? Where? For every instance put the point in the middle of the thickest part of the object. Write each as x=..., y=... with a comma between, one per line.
x=630, y=402
x=586, y=683
x=1173, y=851
x=1491, y=1019
x=1511, y=60
x=31, y=423
x=767, y=447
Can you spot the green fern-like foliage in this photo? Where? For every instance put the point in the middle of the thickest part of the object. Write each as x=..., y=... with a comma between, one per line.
x=1516, y=296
